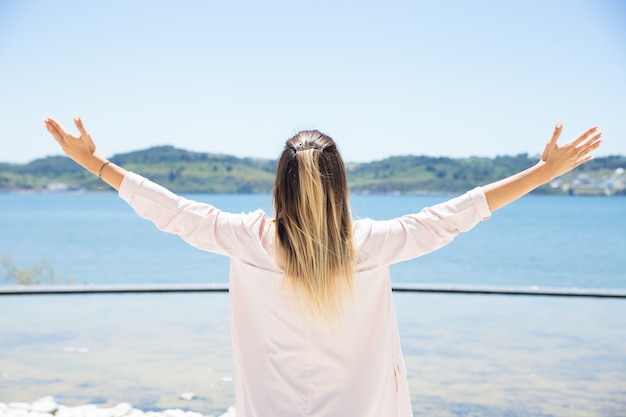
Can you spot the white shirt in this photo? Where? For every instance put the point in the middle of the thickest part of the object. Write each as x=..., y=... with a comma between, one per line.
x=286, y=364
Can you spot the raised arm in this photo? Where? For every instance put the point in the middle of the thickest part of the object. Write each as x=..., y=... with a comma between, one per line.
x=555, y=161
x=82, y=150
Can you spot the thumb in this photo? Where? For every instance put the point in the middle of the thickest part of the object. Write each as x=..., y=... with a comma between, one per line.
x=553, y=140
x=79, y=124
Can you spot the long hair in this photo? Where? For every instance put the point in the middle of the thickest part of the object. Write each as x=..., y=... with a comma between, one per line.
x=313, y=223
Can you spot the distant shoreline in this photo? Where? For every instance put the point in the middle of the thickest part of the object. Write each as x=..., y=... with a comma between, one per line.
x=182, y=171
x=583, y=193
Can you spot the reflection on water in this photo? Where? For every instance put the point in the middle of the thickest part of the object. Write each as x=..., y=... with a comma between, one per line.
x=467, y=355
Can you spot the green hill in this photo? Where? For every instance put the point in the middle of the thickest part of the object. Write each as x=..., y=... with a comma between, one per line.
x=189, y=172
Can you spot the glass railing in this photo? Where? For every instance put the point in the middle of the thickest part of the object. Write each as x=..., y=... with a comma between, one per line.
x=466, y=354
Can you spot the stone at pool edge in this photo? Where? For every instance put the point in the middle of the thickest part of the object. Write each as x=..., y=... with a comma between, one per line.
x=19, y=406
x=23, y=409
x=45, y=404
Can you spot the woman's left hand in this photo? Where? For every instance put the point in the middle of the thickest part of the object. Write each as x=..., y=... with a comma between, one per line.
x=560, y=159
x=556, y=160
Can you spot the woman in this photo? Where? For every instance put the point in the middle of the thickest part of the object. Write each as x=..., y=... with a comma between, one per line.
x=313, y=323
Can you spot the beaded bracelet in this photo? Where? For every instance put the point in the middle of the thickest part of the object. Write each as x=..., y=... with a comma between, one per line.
x=100, y=186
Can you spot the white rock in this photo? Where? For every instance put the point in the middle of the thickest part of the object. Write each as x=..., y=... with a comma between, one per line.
x=230, y=412
x=38, y=414
x=19, y=406
x=121, y=410
x=227, y=379
x=15, y=413
x=102, y=412
x=64, y=411
x=174, y=412
x=44, y=405
x=87, y=410
x=188, y=396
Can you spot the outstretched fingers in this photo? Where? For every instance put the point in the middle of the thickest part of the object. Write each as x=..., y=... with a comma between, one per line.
x=581, y=160
x=590, y=144
x=586, y=143
x=55, y=129
x=586, y=136
x=592, y=138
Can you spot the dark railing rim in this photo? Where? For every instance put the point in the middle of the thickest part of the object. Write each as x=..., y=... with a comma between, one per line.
x=8, y=290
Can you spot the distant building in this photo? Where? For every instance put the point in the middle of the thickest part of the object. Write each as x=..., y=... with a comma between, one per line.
x=61, y=187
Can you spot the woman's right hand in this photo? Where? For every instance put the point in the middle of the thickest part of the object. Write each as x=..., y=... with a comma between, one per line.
x=82, y=150
x=78, y=148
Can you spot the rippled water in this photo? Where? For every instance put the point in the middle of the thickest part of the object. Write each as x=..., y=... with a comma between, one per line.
x=466, y=354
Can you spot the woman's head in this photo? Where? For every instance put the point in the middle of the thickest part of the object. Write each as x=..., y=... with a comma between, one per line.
x=310, y=169
x=313, y=221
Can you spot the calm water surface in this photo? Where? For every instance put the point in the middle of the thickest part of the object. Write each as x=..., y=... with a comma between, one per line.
x=466, y=355
x=97, y=238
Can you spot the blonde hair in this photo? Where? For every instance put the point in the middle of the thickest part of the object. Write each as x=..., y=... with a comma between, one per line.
x=313, y=223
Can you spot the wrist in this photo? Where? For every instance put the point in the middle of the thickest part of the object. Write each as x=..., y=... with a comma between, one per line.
x=542, y=173
x=94, y=163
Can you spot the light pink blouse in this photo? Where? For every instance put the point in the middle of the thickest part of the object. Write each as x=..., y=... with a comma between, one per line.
x=285, y=363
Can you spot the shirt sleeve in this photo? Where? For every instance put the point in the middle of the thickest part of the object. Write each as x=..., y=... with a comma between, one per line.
x=199, y=224
x=410, y=236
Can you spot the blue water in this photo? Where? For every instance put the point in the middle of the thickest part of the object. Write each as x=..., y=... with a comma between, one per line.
x=538, y=240
x=465, y=354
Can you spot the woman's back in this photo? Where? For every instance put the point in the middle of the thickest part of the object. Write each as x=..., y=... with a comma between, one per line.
x=287, y=362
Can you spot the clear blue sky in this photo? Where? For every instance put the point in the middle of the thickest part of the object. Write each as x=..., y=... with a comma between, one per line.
x=441, y=78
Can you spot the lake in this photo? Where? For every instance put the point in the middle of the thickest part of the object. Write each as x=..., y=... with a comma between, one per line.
x=547, y=241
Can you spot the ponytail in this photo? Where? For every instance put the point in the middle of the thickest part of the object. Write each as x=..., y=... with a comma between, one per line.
x=313, y=223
